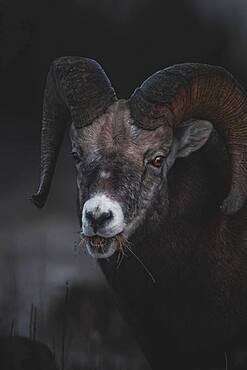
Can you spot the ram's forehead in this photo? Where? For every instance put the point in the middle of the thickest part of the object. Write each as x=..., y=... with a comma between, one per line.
x=115, y=130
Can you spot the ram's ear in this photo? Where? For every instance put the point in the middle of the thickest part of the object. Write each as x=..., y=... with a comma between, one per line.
x=188, y=137
x=191, y=136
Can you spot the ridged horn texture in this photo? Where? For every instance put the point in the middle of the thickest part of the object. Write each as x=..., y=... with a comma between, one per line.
x=76, y=88
x=194, y=90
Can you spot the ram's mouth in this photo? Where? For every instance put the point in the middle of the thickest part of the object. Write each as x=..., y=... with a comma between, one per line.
x=100, y=247
x=99, y=243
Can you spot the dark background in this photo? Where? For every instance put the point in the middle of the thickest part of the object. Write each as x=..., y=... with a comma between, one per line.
x=131, y=39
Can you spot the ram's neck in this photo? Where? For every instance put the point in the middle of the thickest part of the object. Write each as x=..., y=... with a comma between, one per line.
x=198, y=184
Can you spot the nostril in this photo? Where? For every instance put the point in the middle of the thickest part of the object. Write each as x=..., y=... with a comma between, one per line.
x=108, y=214
x=98, y=219
x=103, y=217
x=89, y=216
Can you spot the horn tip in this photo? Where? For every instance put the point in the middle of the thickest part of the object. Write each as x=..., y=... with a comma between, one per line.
x=232, y=204
x=38, y=200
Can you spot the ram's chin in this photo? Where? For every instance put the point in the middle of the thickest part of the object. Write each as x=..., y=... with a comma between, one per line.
x=99, y=247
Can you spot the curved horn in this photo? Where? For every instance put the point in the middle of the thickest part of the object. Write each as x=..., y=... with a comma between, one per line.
x=202, y=91
x=76, y=88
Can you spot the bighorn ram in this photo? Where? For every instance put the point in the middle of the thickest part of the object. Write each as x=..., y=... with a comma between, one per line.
x=163, y=176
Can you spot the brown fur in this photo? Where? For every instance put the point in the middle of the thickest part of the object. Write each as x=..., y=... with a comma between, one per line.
x=105, y=135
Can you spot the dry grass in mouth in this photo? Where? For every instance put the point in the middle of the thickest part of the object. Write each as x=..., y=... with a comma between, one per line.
x=122, y=246
x=100, y=243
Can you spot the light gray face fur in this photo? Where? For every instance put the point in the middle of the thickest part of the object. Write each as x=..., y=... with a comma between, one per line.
x=97, y=205
x=118, y=178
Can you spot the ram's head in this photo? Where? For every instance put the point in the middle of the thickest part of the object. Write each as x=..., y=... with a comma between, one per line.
x=123, y=149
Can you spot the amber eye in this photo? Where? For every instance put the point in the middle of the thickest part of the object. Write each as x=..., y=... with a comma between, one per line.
x=76, y=157
x=157, y=161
